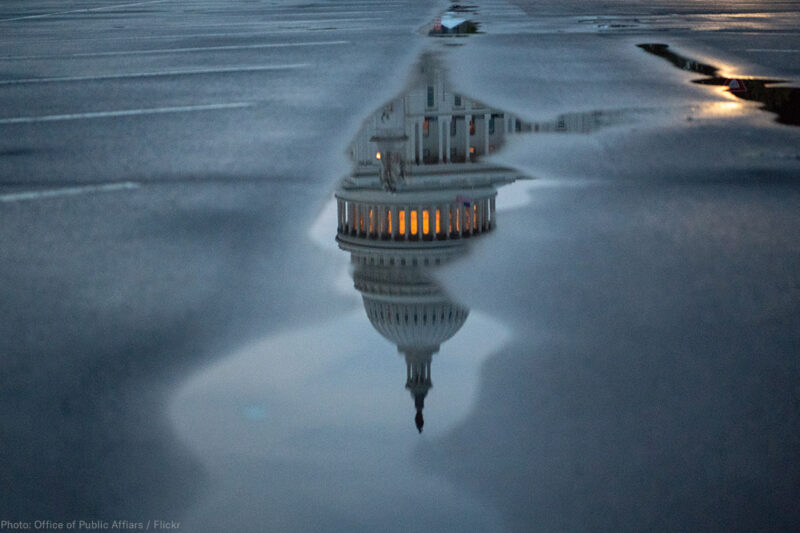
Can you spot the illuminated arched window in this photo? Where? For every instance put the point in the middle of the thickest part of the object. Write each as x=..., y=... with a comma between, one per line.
x=401, y=222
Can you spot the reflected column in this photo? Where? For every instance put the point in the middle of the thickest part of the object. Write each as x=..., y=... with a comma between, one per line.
x=440, y=124
x=448, y=125
x=420, y=160
x=486, y=118
x=467, y=120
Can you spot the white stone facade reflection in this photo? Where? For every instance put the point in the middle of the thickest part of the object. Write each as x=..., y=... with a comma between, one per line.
x=419, y=192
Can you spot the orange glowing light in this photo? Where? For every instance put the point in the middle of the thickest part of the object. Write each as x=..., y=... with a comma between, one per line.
x=413, y=222
x=389, y=222
x=426, y=223
x=438, y=221
x=377, y=155
x=401, y=222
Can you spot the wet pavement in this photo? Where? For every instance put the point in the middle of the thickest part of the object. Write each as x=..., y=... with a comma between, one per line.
x=783, y=101
x=381, y=266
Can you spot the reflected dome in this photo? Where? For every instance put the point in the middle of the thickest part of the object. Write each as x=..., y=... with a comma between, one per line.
x=416, y=325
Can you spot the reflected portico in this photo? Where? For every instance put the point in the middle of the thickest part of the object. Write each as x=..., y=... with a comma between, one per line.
x=419, y=191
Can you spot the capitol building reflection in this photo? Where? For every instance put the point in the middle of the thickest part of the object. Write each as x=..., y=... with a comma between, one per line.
x=419, y=193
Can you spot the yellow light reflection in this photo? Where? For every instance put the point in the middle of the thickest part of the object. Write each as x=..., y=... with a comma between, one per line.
x=732, y=106
x=378, y=155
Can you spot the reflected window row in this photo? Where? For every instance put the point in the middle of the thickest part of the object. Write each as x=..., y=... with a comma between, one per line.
x=439, y=222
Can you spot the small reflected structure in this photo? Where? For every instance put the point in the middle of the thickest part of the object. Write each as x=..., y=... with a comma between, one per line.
x=783, y=101
x=419, y=192
x=454, y=22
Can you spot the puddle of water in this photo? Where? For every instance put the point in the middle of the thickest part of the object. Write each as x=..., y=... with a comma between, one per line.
x=422, y=189
x=782, y=101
